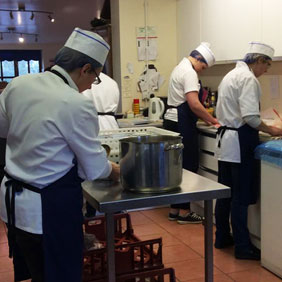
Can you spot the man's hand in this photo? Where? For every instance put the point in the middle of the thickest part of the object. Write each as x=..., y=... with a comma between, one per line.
x=275, y=131
x=115, y=174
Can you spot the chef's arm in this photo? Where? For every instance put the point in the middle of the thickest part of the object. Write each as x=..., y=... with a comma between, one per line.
x=255, y=122
x=4, y=123
x=198, y=109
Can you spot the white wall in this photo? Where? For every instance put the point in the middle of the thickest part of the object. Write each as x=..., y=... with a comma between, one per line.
x=187, y=26
x=126, y=16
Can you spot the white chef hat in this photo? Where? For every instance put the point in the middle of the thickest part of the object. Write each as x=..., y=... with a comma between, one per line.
x=206, y=52
x=89, y=43
x=261, y=48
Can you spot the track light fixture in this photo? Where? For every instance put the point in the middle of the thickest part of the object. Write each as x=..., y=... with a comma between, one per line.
x=12, y=30
x=51, y=18
x=21, y=39
x=21, y=9
x=32, y=15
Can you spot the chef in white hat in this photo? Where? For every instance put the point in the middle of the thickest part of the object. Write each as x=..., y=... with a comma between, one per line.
x=184, y=109
x=51, y=131
x=238, y=111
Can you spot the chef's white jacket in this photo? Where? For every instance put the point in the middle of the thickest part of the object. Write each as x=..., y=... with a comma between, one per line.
x=105, y=97
x=47, y=124
x=183, y=79
x=238, y=97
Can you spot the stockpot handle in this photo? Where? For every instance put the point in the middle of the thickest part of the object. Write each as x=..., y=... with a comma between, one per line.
x=178, y=146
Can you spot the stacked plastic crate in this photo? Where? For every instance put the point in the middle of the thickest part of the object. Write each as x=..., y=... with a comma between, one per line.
x=136, y=260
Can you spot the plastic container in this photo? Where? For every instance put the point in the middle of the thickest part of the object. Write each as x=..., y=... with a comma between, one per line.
x=157, y=275
x=131, y=254
x=136, y=107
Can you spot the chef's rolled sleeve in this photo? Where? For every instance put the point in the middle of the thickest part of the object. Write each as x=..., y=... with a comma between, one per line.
x=250, y=96
x=82, y=138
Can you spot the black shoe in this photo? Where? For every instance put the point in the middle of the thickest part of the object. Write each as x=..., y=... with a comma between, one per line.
x=172, y=216
x=221, y=244
x=255, y=249
x=249, y=254
x=191, y=217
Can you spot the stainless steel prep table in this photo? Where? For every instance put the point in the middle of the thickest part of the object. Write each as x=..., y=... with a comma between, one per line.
x=109, y=197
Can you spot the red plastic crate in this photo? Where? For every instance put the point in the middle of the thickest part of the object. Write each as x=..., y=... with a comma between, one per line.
x=156, y=275
x=130, y=257
x=97, y=226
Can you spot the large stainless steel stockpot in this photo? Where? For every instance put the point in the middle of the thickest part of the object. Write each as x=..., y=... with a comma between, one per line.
x=151, y=164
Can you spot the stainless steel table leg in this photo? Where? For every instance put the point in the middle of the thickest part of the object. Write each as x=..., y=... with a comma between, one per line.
x=208, y=242
x=110, y=247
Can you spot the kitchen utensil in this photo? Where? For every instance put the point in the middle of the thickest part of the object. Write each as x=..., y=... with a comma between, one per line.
x=156, y=108
x=151, y=164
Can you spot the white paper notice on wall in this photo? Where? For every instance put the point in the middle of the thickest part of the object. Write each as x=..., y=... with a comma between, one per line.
x=150, y=50
x=127, y=87
x=274, y=87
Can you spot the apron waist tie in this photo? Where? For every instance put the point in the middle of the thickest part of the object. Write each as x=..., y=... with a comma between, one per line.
x=171, y=107
x=17, y=187
x=106, y=114
x=220, y=132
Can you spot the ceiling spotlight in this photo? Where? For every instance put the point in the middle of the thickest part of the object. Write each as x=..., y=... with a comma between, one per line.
x=51, y=18
x=32, y=16
x=11, y=15
x=21, y=39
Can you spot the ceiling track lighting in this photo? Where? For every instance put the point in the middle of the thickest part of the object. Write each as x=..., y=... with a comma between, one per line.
x=21, y=9
x=11, y=30
x=21, y=39
x=32, y=16
x=51, y=18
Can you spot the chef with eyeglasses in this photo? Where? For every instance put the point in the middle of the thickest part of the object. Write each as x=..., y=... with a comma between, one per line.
x=238, y=112
x=51, y=131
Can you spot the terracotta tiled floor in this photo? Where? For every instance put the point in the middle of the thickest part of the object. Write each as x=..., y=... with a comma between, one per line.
x=183, y=249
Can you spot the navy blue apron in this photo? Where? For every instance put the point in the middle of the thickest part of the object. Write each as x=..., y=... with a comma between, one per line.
x=247, y=186
x=250, y=167
x=62, y=221
x=243, y=178
x=188, y=130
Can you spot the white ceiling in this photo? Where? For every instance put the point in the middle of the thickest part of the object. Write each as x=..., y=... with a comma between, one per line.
x=67, y=13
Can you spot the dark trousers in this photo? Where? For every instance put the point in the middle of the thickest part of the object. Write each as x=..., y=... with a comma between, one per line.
x=28, y=256
x=1, y=173
x=173, y=126
x=229, y=175
x=90, y=211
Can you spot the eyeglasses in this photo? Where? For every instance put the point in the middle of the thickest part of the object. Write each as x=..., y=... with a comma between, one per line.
x=97, y=79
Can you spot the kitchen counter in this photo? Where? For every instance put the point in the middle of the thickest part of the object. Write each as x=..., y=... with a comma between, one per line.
x=140, y=121
x=203, y=127
x=109, y=197
x=211, y=130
